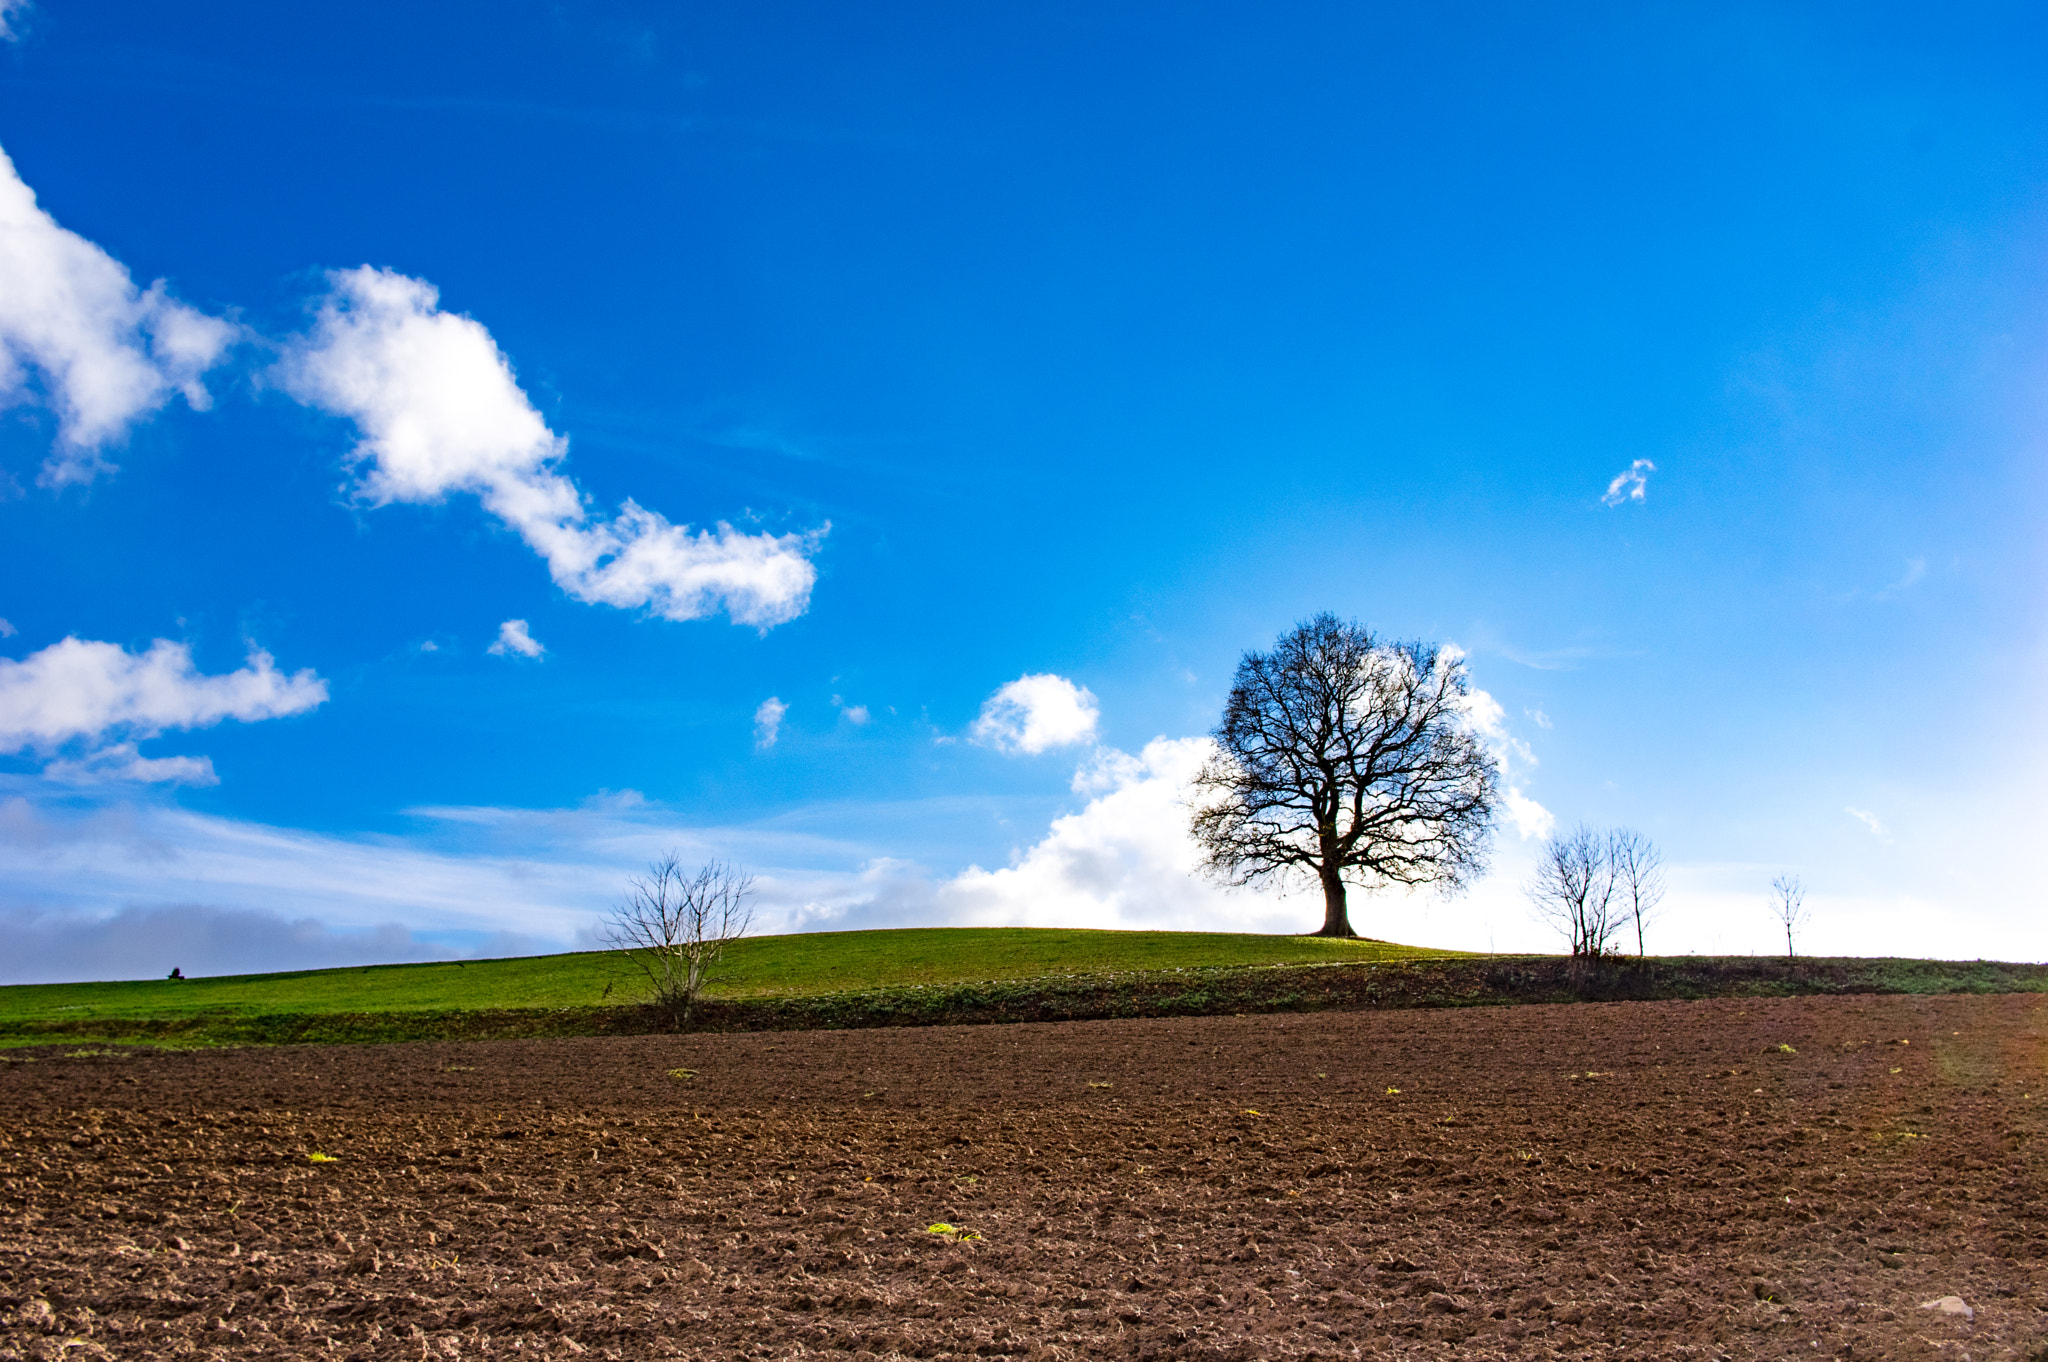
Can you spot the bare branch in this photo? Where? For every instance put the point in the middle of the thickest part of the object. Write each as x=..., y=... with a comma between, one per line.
x=1788, y=906
x=1574, y=889
x=675, y=925
x=1638, y=871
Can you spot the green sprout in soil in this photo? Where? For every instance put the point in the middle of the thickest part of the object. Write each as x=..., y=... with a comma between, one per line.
x=317, y=1157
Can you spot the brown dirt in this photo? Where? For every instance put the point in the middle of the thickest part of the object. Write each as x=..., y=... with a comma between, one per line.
x=1597, y=1180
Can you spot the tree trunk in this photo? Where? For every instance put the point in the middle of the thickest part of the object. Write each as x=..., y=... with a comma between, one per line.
x=1336, y=919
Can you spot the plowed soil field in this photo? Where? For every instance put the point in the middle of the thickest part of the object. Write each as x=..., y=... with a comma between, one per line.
x=1736, y=1178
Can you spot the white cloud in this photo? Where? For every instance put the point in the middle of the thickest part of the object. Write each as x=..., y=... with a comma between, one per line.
x=9, y=9
x=513, y=638
x=1542, y=719
x=78, y=689
x=1530, y=818
x=853, y=714
x=1126, y=860
x=1035, y=713
x=768, y=722
x=6, y=629
x=102, y=352
x=495, y=881
x=123, y=763
x=1631, y=484
x=440, y=411
x=1489, y=721
x=1867, y=818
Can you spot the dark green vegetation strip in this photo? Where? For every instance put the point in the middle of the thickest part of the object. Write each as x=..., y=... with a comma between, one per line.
x=1443, y=982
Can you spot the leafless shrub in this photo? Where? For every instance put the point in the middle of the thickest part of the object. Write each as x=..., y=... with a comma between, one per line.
x=675, y=924
x=1573, y=889
x=1788, y=906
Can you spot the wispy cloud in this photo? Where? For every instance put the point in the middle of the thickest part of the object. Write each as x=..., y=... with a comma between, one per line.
x=122, y=762
x=77, y=334
x=1868, y=820
x=1036, y=713
x=1915, y=573
x=1630, y=484
x=440, y=411
x=513, y=639
x=10, y=11
x=768, y=723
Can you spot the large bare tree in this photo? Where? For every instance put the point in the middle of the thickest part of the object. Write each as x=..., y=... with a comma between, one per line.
x=1345, y=760
x=676, y=923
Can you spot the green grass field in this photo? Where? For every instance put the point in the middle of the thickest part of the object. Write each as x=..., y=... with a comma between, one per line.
x=775, y=966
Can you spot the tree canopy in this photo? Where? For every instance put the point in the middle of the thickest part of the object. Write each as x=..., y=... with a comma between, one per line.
x=1345, y=760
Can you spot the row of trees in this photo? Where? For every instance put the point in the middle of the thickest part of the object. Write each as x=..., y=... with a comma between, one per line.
x=1595, y=887
x=1600, y=888
x=1341, y=759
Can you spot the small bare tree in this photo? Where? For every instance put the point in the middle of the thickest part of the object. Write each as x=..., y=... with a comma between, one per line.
x=1574, y=889
x=675, y=925
x=1788, y=905
x=1638, y=870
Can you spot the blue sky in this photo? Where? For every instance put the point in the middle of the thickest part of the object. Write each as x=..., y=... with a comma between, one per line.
x=533, y=393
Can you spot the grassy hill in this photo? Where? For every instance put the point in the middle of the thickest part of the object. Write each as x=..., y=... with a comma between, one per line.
x=809, y=964
x=923, y=976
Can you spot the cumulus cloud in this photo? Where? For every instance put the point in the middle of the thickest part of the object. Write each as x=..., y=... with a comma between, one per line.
x=853, y=714
x=79, y=689
x=768, y=723
x=439, y=411
x=1531, y=819
x=1630, y=484
x=78, y=335
x=513, y=638
x=1123, y=861
x=1489, y=721
x=1035, y=713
